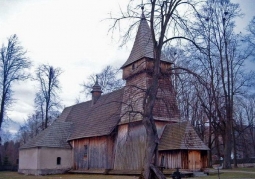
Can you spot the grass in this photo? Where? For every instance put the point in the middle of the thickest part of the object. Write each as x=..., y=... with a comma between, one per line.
x=250, y=169
x=228, y=176
x=239, y=173
x=15, y=175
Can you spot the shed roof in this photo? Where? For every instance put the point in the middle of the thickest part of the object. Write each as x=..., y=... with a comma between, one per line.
x=143, y=45
x=54, y=136
x=181, y=136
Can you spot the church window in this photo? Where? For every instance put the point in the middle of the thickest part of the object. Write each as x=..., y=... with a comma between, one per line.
x=58, y=160
x=85, y=150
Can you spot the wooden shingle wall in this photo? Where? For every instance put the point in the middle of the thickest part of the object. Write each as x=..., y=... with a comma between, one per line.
x=132, y=102
x=138, y=80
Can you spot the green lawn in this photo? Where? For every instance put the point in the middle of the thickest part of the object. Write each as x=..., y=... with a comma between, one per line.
x=229, y=174
x=240, y=173
x=15, y=175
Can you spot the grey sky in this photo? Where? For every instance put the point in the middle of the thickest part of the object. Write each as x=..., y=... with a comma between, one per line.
x=70, y=35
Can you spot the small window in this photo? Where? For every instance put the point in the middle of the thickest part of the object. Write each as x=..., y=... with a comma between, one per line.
x=162, y=161
x=85, y=150
x=133, y=66
x=58, y=160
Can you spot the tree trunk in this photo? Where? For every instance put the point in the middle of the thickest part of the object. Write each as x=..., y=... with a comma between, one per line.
x=2, y=115
x=152, y=140
x=228, y=142
x=234, y=149
x=151, y=144
x=3, y=100
x=209, y=154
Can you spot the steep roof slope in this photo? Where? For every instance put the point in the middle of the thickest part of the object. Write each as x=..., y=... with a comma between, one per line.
x=54, y=136
x=81, y=120
x=143, y=45
x=98, y=119
x=181, y=136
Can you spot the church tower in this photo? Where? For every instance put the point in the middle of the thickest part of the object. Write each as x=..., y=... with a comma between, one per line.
x=138, y=70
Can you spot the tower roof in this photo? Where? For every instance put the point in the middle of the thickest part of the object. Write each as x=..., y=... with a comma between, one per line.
x=96, y=87
x=143, y=45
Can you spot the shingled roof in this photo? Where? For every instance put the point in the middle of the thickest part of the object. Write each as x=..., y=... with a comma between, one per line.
x=98, y=119
x=143, y=45
x=81, y=120
x=181, y=136
x=54, y=136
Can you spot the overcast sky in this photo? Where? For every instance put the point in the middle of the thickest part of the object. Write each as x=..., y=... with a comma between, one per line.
x=72, y=35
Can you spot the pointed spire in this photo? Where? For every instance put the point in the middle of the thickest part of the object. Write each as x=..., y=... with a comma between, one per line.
x=143, y=45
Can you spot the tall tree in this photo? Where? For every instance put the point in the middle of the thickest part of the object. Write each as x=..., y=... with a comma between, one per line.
x=13, y=67
x=251, y=30
x=167, y=23
x=221, y=65
x=47, y=98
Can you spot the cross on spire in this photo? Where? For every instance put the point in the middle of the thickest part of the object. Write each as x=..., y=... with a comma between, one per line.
x=142, y=7
x=96, y=80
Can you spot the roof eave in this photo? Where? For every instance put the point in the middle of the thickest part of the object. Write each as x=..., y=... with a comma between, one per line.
x=89, y=136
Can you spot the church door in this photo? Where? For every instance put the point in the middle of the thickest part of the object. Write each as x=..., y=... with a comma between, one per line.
x=194, y=160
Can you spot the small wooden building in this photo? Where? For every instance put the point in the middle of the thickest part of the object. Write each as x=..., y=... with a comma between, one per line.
x=107, y=131
x=180, y=147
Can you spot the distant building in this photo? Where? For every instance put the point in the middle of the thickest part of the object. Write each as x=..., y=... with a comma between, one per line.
x=107, y=131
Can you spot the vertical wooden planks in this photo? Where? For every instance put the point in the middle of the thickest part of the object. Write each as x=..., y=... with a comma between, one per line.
x=99, y=149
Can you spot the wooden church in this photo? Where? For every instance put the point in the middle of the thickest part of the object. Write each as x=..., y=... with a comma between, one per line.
x=106, y=133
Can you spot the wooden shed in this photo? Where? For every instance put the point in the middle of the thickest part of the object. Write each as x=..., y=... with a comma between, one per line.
x=181, y=147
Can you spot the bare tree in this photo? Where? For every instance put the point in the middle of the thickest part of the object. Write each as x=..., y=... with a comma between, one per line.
x=244, y=126
x=167, y=24
x=13, y=67
x=221, y=66
x=9, y=153
x=109, y=80
x=47, y=98
x=251, y=30
x=30, y=128
x=231, y=77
